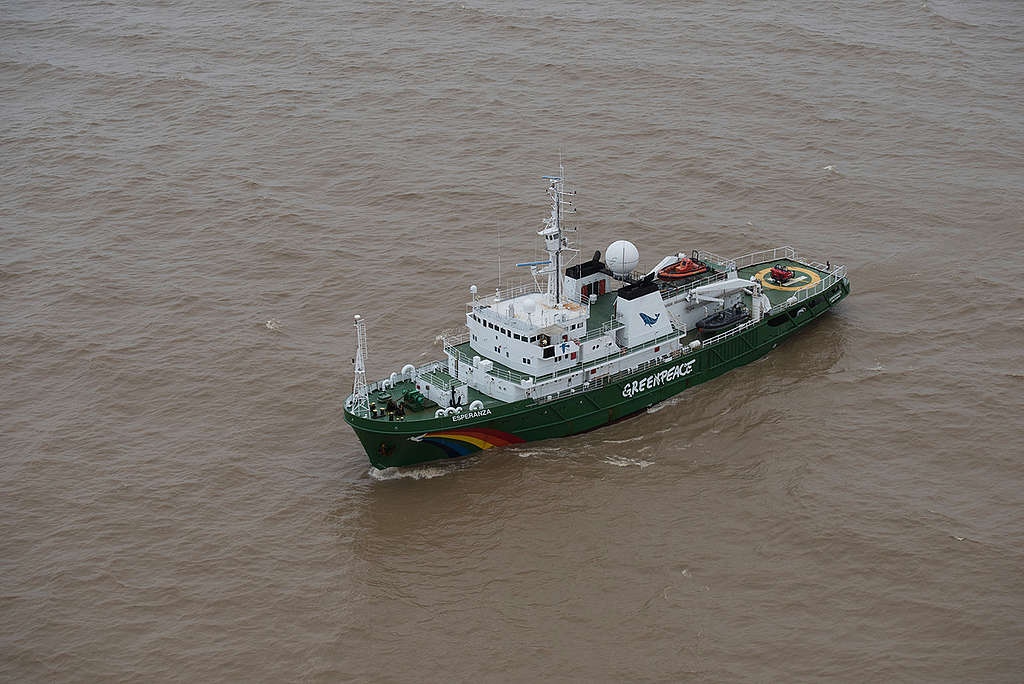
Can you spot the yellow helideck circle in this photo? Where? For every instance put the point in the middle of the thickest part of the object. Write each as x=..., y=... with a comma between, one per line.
x=814, y=278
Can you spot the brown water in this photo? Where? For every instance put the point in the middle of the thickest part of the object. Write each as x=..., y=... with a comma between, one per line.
x=197, y=198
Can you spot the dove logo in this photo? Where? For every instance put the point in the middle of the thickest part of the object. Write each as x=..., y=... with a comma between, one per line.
x=648, y=321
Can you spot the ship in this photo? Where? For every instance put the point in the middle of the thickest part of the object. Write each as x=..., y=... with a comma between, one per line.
x=582, y=344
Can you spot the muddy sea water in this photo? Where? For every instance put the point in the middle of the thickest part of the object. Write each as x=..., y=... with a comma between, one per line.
x=198, y=196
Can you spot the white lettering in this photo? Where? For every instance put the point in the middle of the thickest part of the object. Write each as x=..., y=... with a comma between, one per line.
x=657, y=379
x=474, y=414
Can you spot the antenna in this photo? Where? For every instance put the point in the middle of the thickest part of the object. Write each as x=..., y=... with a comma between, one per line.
x=555, y=240
x=360, y=394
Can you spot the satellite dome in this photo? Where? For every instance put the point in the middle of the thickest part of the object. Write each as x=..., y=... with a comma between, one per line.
x=622, y=257
x=529, y=305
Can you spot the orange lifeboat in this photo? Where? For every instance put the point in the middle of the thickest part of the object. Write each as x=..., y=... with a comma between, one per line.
x=683, y=269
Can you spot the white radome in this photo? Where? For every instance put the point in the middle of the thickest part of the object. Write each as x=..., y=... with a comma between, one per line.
x=529, y=305
x=622, y=257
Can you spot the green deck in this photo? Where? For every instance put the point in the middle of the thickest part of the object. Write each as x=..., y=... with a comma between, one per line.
x=380, y=397
x=601, y=311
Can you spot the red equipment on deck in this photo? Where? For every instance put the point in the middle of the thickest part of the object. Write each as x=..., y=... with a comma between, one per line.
x=685, y=268
x=781, y=274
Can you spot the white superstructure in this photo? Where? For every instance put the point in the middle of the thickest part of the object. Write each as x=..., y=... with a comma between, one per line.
x=574, y=328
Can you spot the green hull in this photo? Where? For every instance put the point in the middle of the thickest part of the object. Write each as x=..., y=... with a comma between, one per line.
x=391, y=444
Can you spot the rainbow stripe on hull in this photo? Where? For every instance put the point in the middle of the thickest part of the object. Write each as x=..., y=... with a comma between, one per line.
x=469, y=440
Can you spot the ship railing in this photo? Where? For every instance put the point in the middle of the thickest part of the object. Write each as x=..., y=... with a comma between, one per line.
x=668, y=290
x=422, y=370
x=753, y=258
x=721, y=337
x=585, y=387
x=764, y=256
x=636, y=276
x=650, y=363
x=577, y=298
x=604, y=329
x=454, y=339
x=675, y=291
x=518, y=290
x=496, y=372
x=445, y=381
x=676, y=332
x=530, y=287
x=712, y=258
x=825, y=283
x=824, y=268
x=430, y=367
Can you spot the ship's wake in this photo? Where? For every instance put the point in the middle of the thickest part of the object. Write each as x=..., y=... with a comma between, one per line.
x=428, y=472
x=623, y=462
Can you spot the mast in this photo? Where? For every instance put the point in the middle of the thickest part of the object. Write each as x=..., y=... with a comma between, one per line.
x=555, y=240
x=360, y=394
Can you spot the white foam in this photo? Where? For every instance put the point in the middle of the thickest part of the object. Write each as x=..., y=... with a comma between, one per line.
x=671, y=401
x=623, y=462
x=536, y=452
x=274, y=324
x=413, y=473
x=623, y=441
